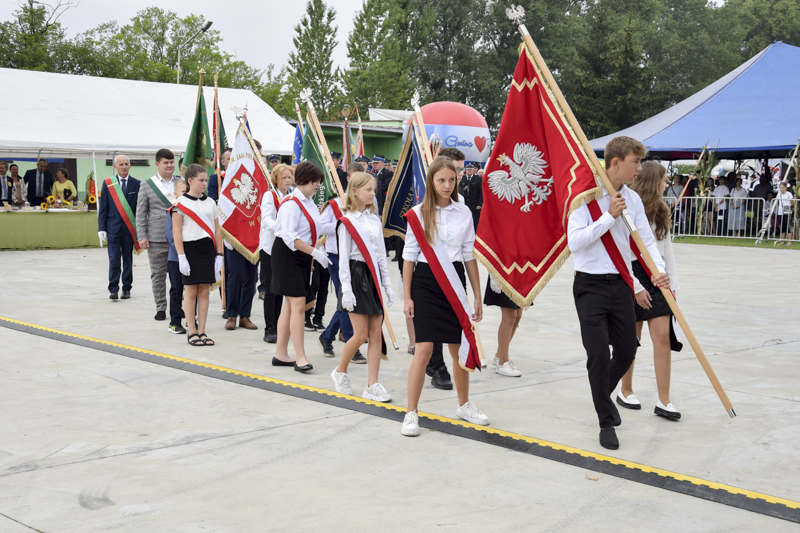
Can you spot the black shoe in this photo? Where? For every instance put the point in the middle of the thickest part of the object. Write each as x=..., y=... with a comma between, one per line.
x=225, y=315
x=271, y=335
x=608, y=439
x=309, y=326
x=441, y=379
x=161, y=315
x=429, y=371
x=615, y=414
x=183, y=315
x=319, y=325
x=278, y=362
x=327, y=347
x=177, y=329
x=305, y=368
x=113, y=296
x=395, y=259
x=126, y=295
x=358, y=358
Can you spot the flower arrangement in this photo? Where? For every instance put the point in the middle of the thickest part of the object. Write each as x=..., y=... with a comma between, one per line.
x=91, y=190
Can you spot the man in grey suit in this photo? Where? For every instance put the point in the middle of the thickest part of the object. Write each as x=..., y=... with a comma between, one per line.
x=155, y=197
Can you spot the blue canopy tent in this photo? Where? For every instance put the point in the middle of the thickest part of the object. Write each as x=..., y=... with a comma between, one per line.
x=752, y=112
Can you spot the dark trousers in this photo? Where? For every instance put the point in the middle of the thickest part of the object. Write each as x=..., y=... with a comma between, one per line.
x=240, y=285
x=120, y=258
x=437, y=357
x=606, y=315
x=340, y=319
x=272, y=302
x=722, y=223
x=318, y=291
x=263, y=282
x=175, y=292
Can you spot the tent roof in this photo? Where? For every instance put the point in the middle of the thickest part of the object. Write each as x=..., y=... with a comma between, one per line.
x=63, y=115
x=753, y=111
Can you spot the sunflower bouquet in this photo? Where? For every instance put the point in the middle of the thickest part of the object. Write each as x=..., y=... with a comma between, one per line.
x=91, y=190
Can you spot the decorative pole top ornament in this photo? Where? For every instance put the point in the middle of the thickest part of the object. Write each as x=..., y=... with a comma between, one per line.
x=305, y=96
x=516, y=14
x=415, y=100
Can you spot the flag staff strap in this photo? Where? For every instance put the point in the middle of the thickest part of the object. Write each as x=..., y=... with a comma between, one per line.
x=218, y=168
x=516, y=14
x=305, y=95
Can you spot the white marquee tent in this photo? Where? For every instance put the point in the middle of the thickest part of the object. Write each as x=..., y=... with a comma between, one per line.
x=67, y=116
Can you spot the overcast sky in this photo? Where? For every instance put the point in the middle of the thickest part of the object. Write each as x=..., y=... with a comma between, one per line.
x=258, y=32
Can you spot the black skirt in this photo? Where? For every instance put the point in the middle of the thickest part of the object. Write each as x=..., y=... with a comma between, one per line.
x=434, y=318
x=201, y=256
x=367, y=299
x=500, y=300
x=291, y=271
x=659, y=303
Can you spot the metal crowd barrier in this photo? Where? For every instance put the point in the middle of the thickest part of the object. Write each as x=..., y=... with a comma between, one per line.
x=698, y=216
x=781, y=223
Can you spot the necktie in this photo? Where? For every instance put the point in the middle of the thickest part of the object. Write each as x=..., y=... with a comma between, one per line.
x=5, y=187
x=39, y=184
x=124, y=181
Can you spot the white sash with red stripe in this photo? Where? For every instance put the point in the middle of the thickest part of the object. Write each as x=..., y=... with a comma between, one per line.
x=191, y=208
x=447, y=277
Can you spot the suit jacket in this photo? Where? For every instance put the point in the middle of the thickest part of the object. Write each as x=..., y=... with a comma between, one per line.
x=30, y=180
x=9, y=189
x=472, y=189
x=384, y=179
x=151, y=215
x=213, y=187
x=108, y=216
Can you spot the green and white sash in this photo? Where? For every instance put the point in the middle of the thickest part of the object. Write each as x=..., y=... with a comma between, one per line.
x=166, y=197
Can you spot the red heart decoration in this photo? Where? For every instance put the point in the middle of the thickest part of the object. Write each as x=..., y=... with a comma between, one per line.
x=480, y=143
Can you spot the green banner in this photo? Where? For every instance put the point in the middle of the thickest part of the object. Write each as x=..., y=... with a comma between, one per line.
x=199, y=149
x=312, y=152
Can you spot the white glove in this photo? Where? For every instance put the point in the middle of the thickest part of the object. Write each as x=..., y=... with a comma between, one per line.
x=183, y=265
x=389, y=295
x=493, y=285
x=348, y=300
x=218, y=267
x=103, y=237
x=321, y=257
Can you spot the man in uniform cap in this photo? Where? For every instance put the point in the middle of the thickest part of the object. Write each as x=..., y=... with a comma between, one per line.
x=384, y=177
x=337, y=160
x=471, y=187
x=366, y=161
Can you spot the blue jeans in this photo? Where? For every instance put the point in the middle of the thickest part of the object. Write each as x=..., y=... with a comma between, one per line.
x=340, y=319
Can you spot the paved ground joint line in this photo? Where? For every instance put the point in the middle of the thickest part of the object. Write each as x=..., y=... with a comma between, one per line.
x=673, y=481
x=20, y=523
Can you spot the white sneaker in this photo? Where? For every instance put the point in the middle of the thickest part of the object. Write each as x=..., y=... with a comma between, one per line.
x=470, y=413
x=377, y=393
x=508, y=369
x=341, y=381
x=410, y=426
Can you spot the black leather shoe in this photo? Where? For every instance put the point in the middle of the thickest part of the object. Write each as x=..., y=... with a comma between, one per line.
x=305, y=368
x=126, y=295
x=358, y=358
x=271, y=335
x=615, y=414
x=161, y=315
x=319, y=325
x=327, y=347
x=278, y=362
x=113, y=296
x=309, y=326
x=608, y=439
x=441, y=379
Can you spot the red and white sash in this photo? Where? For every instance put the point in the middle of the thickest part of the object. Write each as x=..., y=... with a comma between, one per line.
x=447, y=277
x=611, y=247
x=191, y=209
x=361, y=238
x=306, y=213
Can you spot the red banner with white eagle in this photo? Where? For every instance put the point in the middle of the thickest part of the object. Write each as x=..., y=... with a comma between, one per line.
x=536, y=175
x=239, y=203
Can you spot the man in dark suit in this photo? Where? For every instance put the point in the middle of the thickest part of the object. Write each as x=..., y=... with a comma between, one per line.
x=471, y=187
x=337, y=161
x=111, y=226
x=39, y=182
x=213, y=186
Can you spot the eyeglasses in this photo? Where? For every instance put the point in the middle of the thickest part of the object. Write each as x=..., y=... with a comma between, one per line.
x=459, y=170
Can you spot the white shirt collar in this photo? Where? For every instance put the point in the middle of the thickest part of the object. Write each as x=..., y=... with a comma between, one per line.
x=449, y=206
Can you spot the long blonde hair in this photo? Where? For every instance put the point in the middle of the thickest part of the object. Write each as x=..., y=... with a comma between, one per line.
x=356, y=181
x=428, y=209
x=648, y=186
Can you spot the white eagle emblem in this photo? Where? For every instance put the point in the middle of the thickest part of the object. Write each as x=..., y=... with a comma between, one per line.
x=246, y=192
x=527, y=170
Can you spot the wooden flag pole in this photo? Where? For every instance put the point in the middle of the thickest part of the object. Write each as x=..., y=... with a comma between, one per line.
x=299, y=119
x=218, y=168
x=306, y=97
x=516, y=14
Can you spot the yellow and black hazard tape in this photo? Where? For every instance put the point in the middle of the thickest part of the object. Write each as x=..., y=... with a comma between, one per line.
x=654, y=477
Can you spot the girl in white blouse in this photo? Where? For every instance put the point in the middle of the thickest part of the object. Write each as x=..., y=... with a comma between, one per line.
x=359, y=292
x=651, y=306
x=784, y=213
x=447, y=223
x=296, y=233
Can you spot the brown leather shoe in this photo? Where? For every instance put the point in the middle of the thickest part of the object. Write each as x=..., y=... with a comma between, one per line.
x=231, y=323
x=244, y=322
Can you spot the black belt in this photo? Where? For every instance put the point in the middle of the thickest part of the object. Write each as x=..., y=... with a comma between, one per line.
x=607, y=277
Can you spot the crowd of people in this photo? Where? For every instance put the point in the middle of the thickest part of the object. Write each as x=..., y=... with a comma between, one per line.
x=176, y=220
x=34, y=188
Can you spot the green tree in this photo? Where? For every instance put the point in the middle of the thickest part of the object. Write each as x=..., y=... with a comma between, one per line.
x=34, y=39
x=757, y=23
x=311, y=64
